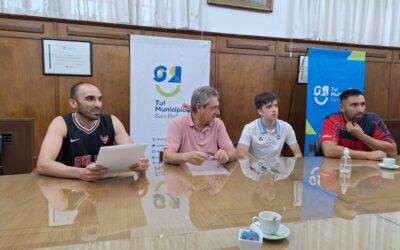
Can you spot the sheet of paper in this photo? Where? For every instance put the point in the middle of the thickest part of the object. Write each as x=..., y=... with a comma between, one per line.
x=209, y=167
x=119, y=158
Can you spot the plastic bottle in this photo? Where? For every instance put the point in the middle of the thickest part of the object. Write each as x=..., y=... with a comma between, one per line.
x=345, y=162
x=345, y=170
x=344, y=182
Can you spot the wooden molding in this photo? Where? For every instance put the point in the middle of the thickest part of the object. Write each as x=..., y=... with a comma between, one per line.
x=396, y=56
x=255, y=45
x=21, y=26
x=302, y=48
x=371, y=53
x=377, y=54
x=73, y=30
x=293, y=47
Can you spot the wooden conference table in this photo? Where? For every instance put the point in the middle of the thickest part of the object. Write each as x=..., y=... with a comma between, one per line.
x=171, y=209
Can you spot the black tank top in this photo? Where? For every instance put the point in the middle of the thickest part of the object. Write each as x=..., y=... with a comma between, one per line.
x=81, y=146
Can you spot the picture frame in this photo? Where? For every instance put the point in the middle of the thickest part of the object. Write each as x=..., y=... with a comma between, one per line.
x=302, y=77
x=67, y=57
x=258, y=5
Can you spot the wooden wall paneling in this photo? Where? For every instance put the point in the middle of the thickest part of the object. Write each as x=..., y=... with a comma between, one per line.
x=296, y=49
x=292, y=97
x=195, y=36
x=246, y=46
x=394, y=94
x=111, y=74
x=373, y=55
x=96, y=34
x=376, y=87
x=396, y=56
x=25, y=28
x=241, y=67
x=213, y=69
x=240, y=78
x=26, y=92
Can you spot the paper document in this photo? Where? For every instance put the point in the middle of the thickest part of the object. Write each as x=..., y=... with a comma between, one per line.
x=119, y=158
x=209, y=167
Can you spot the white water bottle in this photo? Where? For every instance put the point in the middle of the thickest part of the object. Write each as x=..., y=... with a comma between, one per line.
x=345, y=162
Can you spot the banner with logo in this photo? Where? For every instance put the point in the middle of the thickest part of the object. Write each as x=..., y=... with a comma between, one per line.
x=164, y=74
x=330, y=72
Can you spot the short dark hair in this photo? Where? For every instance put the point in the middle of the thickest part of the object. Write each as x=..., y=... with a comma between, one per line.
x=75, y=87
x=348, y=93
x=202, y=95
x=264, y=98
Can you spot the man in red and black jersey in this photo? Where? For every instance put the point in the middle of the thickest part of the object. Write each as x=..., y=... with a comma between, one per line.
x=364, y=133
x=73, y=141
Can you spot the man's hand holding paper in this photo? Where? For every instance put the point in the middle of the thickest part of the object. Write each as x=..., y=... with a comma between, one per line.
x=93, y=172
x=123, y=158
x=142, y=166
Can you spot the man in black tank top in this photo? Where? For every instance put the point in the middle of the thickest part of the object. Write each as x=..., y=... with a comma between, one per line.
x=73, y=141
x=81, y=146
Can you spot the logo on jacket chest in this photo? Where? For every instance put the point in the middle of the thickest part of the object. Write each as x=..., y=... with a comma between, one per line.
x=268, y=138
x=104, y=139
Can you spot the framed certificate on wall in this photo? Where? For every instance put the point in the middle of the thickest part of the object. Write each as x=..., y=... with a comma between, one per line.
x=62, y=57
x=303, y=70
x=260, y=5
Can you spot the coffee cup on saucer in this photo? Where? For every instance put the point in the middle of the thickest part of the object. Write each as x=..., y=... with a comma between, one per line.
x=269, y=221
x=389, y=162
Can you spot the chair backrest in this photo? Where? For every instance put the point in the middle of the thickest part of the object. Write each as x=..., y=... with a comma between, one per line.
x=318, y=148
x=394, y=128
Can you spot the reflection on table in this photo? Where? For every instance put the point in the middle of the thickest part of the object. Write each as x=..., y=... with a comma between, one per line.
x=171, y=209
x=369, y=189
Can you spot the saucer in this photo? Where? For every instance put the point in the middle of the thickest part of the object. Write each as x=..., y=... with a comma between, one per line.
x=282, y=233
x=393, y=166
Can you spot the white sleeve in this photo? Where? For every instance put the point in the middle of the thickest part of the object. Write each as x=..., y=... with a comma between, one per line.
x=245, y=138
x=291, y=136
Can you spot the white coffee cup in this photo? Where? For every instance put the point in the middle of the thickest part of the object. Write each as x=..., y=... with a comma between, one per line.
x=269, y=221
x=389, y=161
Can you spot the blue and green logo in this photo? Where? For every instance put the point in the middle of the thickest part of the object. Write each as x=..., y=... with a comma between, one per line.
x=175, y=77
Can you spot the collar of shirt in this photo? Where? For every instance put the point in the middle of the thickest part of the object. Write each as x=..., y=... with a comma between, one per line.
x=190, y=123
x=264, y=130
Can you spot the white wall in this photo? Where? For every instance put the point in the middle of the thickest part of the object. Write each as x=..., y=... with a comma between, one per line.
x=246, y=22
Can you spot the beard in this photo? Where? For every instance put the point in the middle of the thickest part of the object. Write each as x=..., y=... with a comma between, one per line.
x=89, y=116
x=357, y=117
x=351, y=116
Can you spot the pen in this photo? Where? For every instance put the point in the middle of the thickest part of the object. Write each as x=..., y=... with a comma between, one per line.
x=211, y=157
